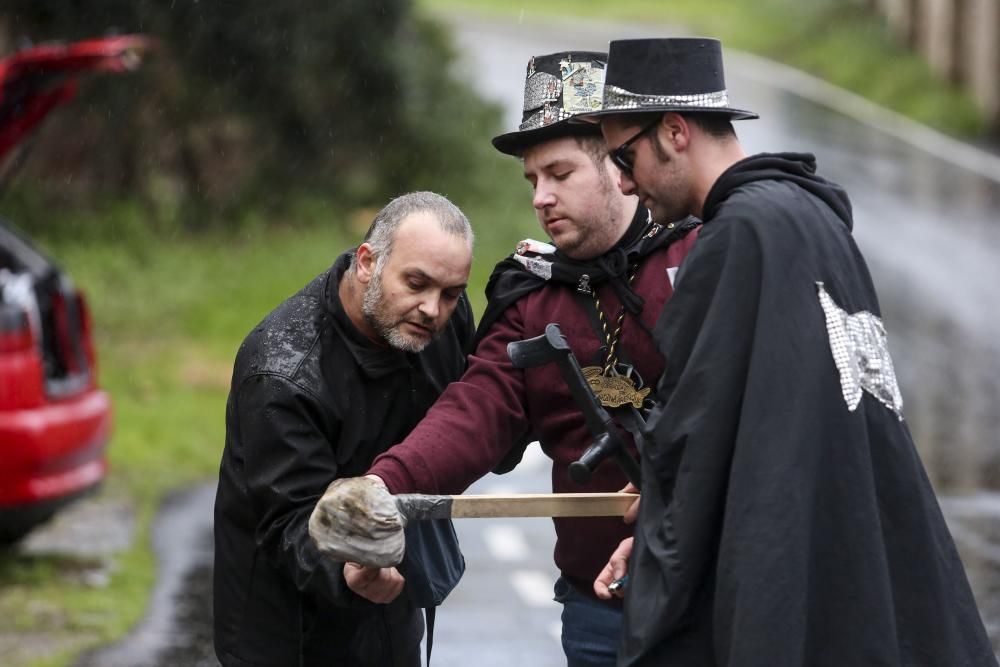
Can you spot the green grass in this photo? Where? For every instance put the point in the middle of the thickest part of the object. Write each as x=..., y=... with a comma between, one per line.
x=838, y=40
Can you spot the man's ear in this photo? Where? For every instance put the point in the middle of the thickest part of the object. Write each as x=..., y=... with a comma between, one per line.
x=675, y=129
x=365, y=263
x=613, y=171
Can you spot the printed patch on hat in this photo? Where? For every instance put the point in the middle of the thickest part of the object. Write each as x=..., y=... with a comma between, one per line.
x=861, y=352
x=582, y=86
x=539, y=88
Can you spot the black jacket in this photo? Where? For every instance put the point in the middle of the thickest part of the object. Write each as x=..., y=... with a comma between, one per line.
x=786, y=519
x=313, y=400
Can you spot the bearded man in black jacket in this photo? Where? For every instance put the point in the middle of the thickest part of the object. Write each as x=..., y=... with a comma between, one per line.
x=330, y=379
x=785, y=518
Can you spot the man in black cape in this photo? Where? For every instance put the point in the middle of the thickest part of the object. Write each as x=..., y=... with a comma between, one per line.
x=786, y=518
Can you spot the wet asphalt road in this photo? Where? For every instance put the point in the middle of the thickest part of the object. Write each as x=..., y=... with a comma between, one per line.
x=930, y=232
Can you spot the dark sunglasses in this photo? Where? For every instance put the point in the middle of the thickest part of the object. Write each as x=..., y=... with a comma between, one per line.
x=620, y=156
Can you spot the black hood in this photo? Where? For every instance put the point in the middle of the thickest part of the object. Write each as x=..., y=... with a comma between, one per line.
x=800, y=168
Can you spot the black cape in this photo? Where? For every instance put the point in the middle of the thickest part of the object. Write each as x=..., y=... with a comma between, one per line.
x=778, y=526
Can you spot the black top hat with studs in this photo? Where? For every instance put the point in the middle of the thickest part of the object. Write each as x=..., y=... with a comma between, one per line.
x=557, y=87
x=668, y=74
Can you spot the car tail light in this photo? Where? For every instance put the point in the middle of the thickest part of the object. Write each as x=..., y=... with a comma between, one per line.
x=21, y=375
x=83, y=311
x=65, y=332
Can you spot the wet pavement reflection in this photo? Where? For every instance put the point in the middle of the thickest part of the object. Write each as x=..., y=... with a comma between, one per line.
x=194, y=615
x=930, y=232
x=177, y=629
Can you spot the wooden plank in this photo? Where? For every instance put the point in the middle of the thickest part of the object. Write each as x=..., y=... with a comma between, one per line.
x=541, y=505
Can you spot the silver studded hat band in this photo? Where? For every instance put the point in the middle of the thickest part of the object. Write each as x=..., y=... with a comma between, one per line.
x=619, y=98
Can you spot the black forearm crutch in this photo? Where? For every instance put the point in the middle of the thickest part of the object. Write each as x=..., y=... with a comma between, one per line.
x=552, y=347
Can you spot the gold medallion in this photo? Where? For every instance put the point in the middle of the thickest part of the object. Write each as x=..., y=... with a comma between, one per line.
x=613, y=391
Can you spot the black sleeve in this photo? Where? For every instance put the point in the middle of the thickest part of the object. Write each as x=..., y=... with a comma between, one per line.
x=289, y=456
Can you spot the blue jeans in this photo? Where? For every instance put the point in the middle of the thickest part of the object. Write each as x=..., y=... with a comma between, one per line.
x=590, y=629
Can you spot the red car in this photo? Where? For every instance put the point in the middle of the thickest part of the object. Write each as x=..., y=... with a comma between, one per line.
x=54, y=419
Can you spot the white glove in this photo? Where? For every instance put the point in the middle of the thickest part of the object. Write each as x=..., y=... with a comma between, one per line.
x=357, y=521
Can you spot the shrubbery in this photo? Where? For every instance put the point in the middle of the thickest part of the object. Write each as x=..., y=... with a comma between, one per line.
x=248, y=104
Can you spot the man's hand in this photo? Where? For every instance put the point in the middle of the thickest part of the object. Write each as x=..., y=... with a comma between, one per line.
x=380, y=585
x=616, y=568
x=357, y=521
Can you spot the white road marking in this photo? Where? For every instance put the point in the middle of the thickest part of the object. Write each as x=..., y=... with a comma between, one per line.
x=499, y=489
x=506, y=542
x=975, y=542
x=533, y=587
x=959, y=510
x=533, y=461
x=535, y=458
x=984, y=504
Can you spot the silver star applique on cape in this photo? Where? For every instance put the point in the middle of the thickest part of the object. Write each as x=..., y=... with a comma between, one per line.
x=861, y=353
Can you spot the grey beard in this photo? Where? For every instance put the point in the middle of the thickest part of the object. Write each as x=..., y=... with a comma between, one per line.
x=373, y=309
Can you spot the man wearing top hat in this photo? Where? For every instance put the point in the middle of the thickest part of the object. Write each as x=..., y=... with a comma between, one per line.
x=607, y=260
x=785, y=518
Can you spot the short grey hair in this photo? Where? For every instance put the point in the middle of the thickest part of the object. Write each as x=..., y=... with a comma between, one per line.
x=382, y=233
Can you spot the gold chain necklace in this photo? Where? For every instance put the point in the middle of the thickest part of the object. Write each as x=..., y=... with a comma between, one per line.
x=610, y=387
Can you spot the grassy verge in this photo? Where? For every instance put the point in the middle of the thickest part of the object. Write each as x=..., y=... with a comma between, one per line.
x=841, y=41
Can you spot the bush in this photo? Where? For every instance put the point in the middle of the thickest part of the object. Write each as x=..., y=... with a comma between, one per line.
x=249, y=104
